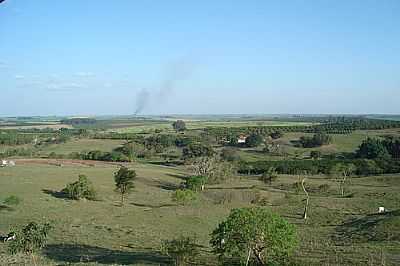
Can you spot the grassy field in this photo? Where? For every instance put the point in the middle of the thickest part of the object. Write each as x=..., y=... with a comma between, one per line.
x=101, y=232
x=80, y=145
x=200, y=124
x=340, y=143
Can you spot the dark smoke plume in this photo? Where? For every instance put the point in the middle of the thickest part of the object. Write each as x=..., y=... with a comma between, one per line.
x=175, y=73
x=142, y=99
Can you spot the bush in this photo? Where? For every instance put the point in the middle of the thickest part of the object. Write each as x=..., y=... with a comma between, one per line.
x=270, y=175
x=12, y=200
x=315, y=154
x=182, y=250
x=195, y=183
x=276, y=134
x=81, y=189
x=324, y=188
x=230, y=154
x=184, y=196
x=30, y=239
x=317, y=140
x=254, y=140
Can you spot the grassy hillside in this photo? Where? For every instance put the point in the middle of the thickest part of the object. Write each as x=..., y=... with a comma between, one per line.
x=101, y=232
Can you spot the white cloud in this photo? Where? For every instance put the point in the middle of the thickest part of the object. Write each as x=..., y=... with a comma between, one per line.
x=64, y=87
x=85, y=74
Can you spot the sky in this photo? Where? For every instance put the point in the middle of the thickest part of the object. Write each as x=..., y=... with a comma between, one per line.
x=102, y=57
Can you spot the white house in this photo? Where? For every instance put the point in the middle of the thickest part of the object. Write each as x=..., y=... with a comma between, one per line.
x=4, y=163
x=242, y=139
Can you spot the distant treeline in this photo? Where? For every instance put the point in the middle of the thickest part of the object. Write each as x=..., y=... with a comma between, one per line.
x=374, y=156
x=344, y=125
x=37, y=136
x=322, y=166
x=79, y=121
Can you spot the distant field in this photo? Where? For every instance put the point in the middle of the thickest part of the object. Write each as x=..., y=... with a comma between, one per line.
x=80, y=145
x=199, y=124
x=38, y=125
x=102, y=233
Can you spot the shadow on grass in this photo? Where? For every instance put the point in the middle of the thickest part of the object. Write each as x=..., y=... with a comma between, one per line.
x=182, y=177
x=69, y=253
x=6, y=208
x=366, y=228
x=230, y=188
x=168, y=163
x=153, y=206
x=166, y=185
x=56, y=194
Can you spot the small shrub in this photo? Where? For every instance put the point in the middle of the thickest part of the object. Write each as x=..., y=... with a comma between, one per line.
x=195, y=183
x=324, y=188
x=259, y=199
x=270, y=175
x=184, y=196
x=81, y=189
x=30, y=239
x=12, y=200
x=182, y=250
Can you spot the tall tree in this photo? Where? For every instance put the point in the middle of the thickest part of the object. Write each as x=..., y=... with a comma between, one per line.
x=179, y=125
x=124, y=181
x=254, y=233
x=343, y=171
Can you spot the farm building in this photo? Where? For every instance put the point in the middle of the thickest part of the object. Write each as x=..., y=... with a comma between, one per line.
x=4, y=163
x=241, y=139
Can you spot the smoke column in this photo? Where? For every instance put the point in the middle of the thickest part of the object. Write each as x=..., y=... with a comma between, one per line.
x=175, y=73
x=142, y=99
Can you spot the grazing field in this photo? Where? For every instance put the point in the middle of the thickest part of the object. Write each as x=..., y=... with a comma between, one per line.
x=102, y=233
x=80, y=145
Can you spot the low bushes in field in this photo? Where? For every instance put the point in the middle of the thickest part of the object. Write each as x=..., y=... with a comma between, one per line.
x=81, y=189
x=12, y=200
x=182, y=250
x=184, y=196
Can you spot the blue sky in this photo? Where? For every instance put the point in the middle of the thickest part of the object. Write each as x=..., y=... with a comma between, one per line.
x=105, y=57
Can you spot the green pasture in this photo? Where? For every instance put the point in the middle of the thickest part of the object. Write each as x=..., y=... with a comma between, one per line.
x=103, y=233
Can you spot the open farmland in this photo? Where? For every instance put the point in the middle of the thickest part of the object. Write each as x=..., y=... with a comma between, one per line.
x=101, y=232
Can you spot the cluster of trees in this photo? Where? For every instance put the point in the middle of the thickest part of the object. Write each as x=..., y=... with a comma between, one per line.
x=79, y=121
x=332, y=125
x=113, y=156
x=179, y=125
x=14, y=138
x=322, y=166
x=372, y=148
x=194, y=150
x=26, y=152
x=316, y=140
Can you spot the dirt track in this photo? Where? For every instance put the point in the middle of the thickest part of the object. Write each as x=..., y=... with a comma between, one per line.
x=62, y=162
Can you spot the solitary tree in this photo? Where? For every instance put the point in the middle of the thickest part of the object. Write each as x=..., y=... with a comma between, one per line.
x=81, y=189
x=343, y=171
x=269, y=175
x=254, y=140
x=179, y=125
x=30, y=239
x=124, y=181
x=254, y=233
